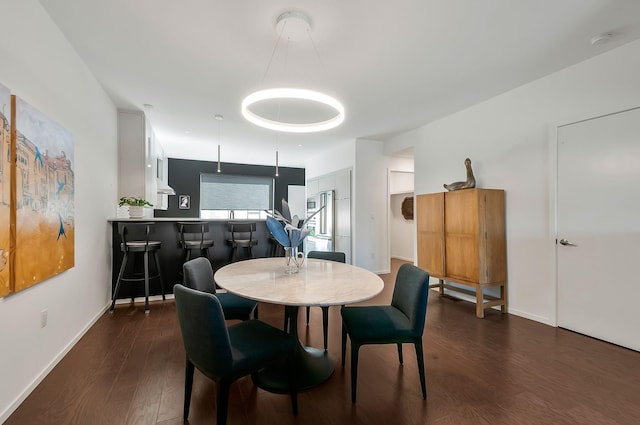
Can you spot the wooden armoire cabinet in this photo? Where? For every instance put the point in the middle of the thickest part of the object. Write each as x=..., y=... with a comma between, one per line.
x=461, y=239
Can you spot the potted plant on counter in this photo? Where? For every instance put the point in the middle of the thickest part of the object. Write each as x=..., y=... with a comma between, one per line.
x=136, y=205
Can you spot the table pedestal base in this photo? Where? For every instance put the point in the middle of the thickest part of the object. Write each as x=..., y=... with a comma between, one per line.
x=313, y=366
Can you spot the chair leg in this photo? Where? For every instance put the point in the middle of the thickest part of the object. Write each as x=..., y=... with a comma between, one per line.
x=308, y=310
x=118, y=282
x=354, y=370
x=255, y=312
x=157, y=259
x=146, y=282
x=188, y=386
x=222, y=401
x=420, y=357
x=400, y=353
x=344, y=343
x=325, y=325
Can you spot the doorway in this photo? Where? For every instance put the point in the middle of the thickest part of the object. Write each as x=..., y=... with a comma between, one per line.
x=400, y=216
x=598, y=227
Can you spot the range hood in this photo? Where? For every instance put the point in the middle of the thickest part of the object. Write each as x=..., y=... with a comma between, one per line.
x=165, y=189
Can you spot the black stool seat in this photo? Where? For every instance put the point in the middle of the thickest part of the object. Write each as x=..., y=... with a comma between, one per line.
x=140, y=246
x=206, y=243
x=135, y=242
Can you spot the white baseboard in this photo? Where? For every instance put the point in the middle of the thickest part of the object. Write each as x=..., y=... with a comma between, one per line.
x=534, y=317
x=36, y=381
x=141, y=299
x=519, y=313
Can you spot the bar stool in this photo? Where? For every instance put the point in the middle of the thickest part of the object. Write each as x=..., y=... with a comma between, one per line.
x=276, y=249
x=192, y=237
x=241, y=237
x=135, y=241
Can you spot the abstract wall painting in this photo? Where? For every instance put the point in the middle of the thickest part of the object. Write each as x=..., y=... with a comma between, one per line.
x=44, y=198
x=36, y=196
x=5, y=189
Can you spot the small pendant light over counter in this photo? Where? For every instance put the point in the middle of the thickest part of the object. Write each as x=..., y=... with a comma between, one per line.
x=218, y=118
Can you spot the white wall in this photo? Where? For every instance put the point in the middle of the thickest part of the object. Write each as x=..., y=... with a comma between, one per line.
x=510, y=140
x=369, y=211
x=41, y=67
x=371, y=204
x=338, y=158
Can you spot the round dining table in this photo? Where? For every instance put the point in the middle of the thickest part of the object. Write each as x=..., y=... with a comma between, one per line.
x=318, y=283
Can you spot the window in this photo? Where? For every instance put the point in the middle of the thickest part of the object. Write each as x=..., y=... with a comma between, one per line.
x=235, y=197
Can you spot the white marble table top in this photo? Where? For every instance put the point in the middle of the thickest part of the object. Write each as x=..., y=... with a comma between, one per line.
x=319, y=282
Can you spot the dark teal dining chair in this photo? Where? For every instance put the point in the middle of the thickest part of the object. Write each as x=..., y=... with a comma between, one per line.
x=198, y=274
x=225, y=354
x=331, y=256
x=398, y=323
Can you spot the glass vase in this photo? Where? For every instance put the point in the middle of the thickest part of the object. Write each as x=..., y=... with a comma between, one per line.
x=293, y=260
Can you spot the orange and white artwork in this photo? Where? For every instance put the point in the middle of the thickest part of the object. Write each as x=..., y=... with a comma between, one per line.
x=44, y=198
x=5, y=189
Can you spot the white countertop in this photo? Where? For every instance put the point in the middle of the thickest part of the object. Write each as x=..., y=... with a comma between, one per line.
x=174, y=219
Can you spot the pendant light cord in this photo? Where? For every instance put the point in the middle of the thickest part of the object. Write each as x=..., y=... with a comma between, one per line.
x=273, y=53
x=218, y=117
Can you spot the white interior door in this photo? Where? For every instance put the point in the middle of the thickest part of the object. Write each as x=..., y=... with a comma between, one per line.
x=598, y=253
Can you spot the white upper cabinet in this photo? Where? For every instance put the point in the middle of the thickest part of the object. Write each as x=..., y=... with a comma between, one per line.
x=343, y=184
x=400, y=182
x=137, y=158
x=326, y=183
x=312, y=188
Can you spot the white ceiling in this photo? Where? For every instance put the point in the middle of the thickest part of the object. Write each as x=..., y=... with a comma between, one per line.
x=395, y=65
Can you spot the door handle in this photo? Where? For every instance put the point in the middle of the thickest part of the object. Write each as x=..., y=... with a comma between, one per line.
x=566, y=243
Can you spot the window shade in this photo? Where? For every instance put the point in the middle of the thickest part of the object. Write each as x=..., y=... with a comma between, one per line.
x=229, y=192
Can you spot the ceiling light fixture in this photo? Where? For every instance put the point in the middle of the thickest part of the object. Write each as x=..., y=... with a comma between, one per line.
x=601, y=38
x=294, y=26
x=218, y=118
x=290, y=93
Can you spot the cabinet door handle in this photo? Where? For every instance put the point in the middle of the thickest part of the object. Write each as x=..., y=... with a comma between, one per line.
x=565, y=242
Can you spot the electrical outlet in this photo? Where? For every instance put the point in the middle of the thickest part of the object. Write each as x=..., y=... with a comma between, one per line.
x=43, y=318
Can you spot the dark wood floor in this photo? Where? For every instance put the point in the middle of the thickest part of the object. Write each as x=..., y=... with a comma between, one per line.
x=129, y=369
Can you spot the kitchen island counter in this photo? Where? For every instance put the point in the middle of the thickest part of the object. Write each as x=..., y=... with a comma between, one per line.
x=171, y=254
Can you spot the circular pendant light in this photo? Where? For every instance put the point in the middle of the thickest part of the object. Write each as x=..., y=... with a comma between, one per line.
x=296, y=26
x=298, y=94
